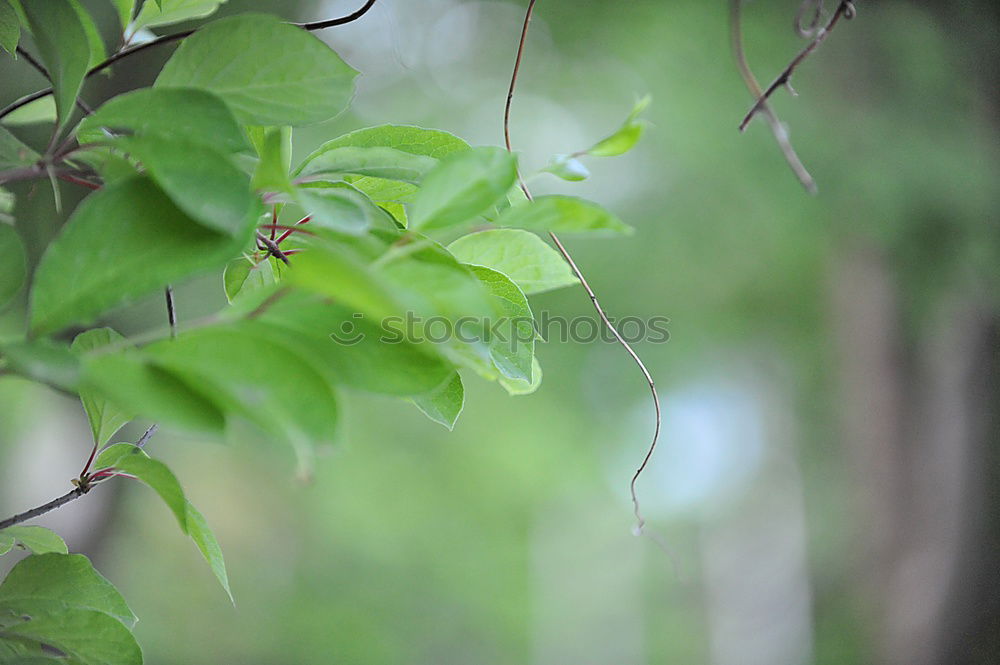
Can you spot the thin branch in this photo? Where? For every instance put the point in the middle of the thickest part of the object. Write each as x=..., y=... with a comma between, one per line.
x=844, y=9
x=177, y=36
x=640, y=521
x=777, y=127
x=146, y=436
x=74, y=493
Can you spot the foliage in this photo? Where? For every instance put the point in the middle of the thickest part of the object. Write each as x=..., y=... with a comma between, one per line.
x=193, y=176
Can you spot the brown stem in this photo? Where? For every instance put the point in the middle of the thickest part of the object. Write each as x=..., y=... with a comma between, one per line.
x=845, y=9
x=166, y=39
x=271, y=247
x=777, y=128
x=74, y=493
x=640, y=521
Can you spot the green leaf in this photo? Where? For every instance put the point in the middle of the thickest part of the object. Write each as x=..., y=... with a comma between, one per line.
x=10, y=27
x=127, y=379
x=378, y=162
x=177, y=114
x=268, y=71
x=105, y=418
x=125, y=9
x=333, y=271
x=562, y=214
x=522, y=256
x=97, y=50
x=412, y=140
x=520, y=386
x=512, y=338
x=40, y=110
x=275, y=152
x=37, y=539
x=44, y=360
x=62, y=44
x=131, y=459
x=269, y=384
x=87, y=637
x=68, y=580
x=13, y=153
x=443, y=404
x=462, y=186
x=203, y=537
x=243, y=275
x=339, y=207
x=12, y=265
x=568, y=168
x=167, y=12
x=353, y=349
x=625, y=138
x=122, y=242
x=201, y=181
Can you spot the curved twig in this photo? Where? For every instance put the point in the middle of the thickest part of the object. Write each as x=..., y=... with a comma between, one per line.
x=640, y=521
x=777, y=127
x=844, y=9
x=166, y=39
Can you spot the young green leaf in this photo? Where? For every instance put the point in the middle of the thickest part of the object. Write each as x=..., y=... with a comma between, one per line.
x=12, y=265
x=512, y=337
x=10, y=27
x=36, y=539
x=462, y=186
x=522, y=256
x=85, y=636
x=269, y=72
x=562, y=214
x=444, y=403
x=131, y=459
x=244, y=276
x=130, y=381
x=625, y=138
x=203, y=537
x=412, y=140
x=105, y=417
x=201, y=181
x=62, y=43
x=122, y=242
x=176, y=114
x=13, y=153
x=568, y=168
x=167, y=12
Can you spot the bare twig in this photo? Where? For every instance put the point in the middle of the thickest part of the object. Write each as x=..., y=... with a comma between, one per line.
x=74, y=493
x=846, y=10
x=640, y=521
x=177, y=36
x=777, y=127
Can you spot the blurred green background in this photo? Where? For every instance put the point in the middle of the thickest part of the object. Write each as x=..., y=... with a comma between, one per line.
x=826, y=481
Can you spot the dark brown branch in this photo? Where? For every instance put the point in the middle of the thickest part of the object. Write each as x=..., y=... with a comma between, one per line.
x=640, y=521
x=844, y=9
x=74, y=493
x=177, y=36
x=168, y=294
x=777, y=127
